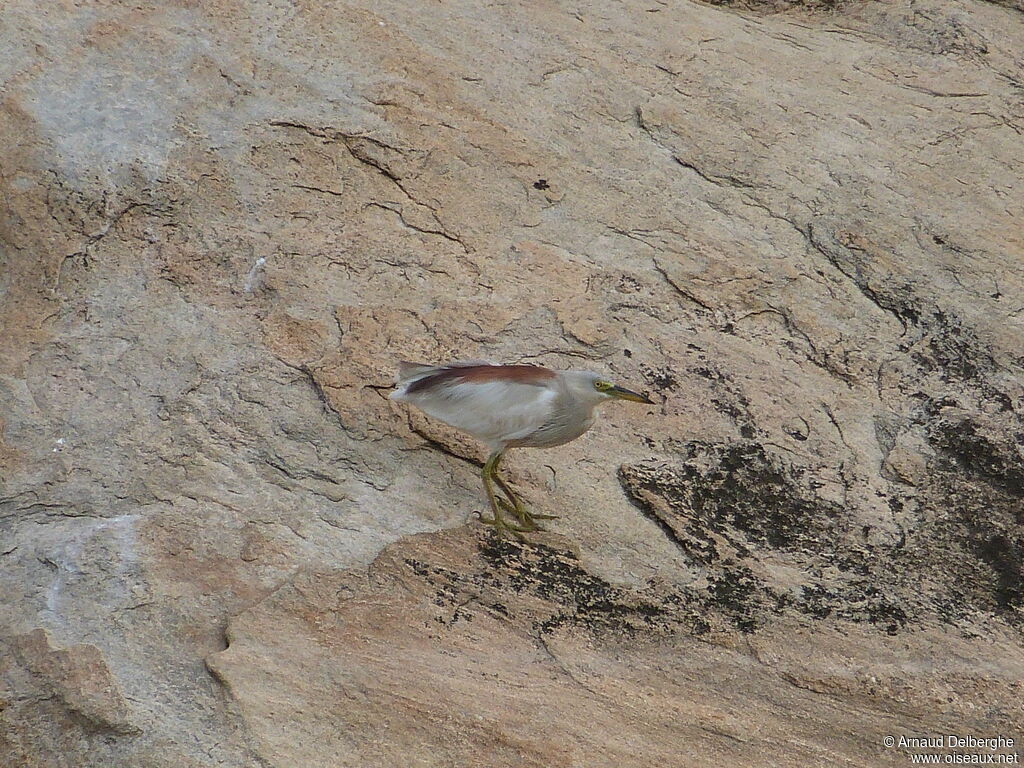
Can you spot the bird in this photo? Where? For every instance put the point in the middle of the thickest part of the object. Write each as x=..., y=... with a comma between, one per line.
x=508, y=406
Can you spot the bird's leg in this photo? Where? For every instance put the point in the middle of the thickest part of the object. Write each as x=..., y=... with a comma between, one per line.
x=497, y=521
x=513, y=505
x=525, y=517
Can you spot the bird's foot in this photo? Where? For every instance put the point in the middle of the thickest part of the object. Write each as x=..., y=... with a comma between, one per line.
x=525, y=522
x=526, y=519
x=501, y=526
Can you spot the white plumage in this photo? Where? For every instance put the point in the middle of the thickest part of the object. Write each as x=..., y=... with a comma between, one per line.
x=514, y=411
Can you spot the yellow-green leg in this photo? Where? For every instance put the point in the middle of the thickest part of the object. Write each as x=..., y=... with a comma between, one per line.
x=514, y=505
x=499, y=522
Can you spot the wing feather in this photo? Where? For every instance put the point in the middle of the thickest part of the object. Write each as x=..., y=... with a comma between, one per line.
x=493, y=410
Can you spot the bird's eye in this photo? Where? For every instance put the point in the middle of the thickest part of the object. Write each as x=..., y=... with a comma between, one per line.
x=602, y=386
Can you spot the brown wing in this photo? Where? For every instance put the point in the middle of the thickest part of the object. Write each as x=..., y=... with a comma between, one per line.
x=479, y=374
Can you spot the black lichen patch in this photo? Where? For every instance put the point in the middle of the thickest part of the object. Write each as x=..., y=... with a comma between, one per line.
x=951, y=358
x=967, y=543
x=579, y=598
x=973, y=533
x=721, y=504
x=727, y=397
x=450, y=595
x=739, y=595
x=974, y=543
x=733, y=488
x=660, y=379
x=964, y=442
x=952, y=351
x=645, y=487
x=725, y=504
x=1005, y=555
x=781, y=6
x=857, y=602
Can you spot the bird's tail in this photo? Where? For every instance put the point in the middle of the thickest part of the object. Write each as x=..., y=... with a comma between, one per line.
x=409, y=372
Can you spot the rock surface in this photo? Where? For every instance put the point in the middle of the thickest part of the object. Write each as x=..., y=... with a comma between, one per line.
x=798, y=224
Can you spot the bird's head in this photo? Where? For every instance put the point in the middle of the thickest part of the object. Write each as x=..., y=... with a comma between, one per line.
x=595, y=388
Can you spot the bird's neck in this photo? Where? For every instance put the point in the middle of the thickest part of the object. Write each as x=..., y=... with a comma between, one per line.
x=582, y=410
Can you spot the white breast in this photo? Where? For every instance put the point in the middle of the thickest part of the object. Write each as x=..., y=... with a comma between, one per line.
x=564, y=426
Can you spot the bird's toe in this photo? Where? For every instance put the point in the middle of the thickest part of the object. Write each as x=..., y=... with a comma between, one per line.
x=501, y=525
